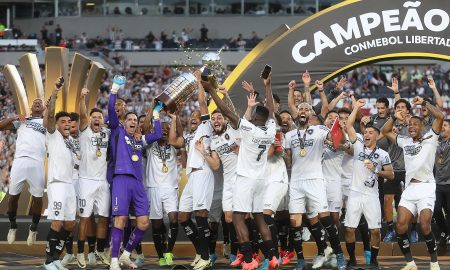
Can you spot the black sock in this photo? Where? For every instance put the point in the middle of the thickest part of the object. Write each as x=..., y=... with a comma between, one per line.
x=390, y=225
x=270, y=249
x=351, y=251
x=52, y=242
x=80, y=246
x=173, y=233
x=63, y=235
x=203, y=236
x=403, y=242
x=233, y=239
x=69, y=245
x=225, y=230
x=374, y=254
x=431, y=246
x=343, y=212
x=297, y=241
x=246, y=249
x=365, y=233
x=333, y=234
x=291, y=239
x=91, y=243
x=283, y=226
x=158, y=241
x=35, y=222
x=101, y=244
x=213, y=241
x=253, y=234
x=318, y=233
x=273, y=231
x=12, y=220
x=191, y=232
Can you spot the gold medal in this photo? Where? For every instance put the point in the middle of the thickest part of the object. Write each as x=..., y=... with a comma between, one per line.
x=366, y=161
x=440, y=160
x=165, y=169
x=135, y=157
x=303, y=152
x=78, y=156
x=98, y=153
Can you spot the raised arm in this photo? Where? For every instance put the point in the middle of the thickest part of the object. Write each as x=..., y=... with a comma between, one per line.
x=7, y=124
x=291, y=102
x=269, y=96
x=437, y=114
x=113, y=119
x=389, y=125
x=147, y=125
x=227, y=99
x=394, y=88
x=351, y=132
x=323, y=99
x=50, y=122
x=201, y=94
x=234, y=119
x=157, y=130
x=251, y=103
x=336, y=100
x=84, y=118
x=307, y=93
x=176, y=132
x=437, y=96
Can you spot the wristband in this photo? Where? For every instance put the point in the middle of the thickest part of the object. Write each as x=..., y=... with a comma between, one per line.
x=320, y=91
x=156, y=115
x=396, y=93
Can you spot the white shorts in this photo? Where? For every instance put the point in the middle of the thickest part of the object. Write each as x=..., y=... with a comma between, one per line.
x=227, y=194
x=308, y=196
x=162, y=200
x=76, y=183
x=334, y=195
x=274, y=192
x=94, y=197
x=62, y=201
x=198, y=192
x=284, y=204
x=346, y=182
x=362, y=204
x=25, y=169
x=248, y=195
x=419, y=196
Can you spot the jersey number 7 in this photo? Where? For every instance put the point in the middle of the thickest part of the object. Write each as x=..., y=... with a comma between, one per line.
x=263, y=149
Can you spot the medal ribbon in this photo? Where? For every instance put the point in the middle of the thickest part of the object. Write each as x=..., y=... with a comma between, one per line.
x=71, y=146
x=302, y=140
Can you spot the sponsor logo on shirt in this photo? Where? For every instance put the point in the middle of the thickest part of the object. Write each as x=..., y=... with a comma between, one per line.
x=412, y=150
x=36, y=127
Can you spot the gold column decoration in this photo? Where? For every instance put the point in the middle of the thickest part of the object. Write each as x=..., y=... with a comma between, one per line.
x=32, y=76
x=94, y=80
x=56, y=65
x=18, y=90
x=78, y=74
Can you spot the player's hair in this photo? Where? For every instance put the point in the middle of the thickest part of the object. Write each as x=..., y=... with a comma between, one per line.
x=374, y=127
x=94, y=110
x=216, y=111
x=383, y=100
x=141, y=116
x=62, y=114
x=402, y=100
x=121, y=100
x=319, y=117
x=344, y=110
x=276, y=98
x=130, y=112
x=74, y=116
x=418, y=118
x=332, y=111
x=262, y=111
x=285, y=111
x=447, y=120
x=297, y=90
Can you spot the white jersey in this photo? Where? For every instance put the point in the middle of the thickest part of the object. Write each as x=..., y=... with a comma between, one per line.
x=155, y=176
x=187, y=139
x=30, y=139
x=347, y=163
x=60, y=157
x=364, y=180
x=276, y=168
x=93, y=167
x=309, y=166
x=332, y=163
x=195, y=158
x=255, y=141
x=223, y=146
x=419, y=156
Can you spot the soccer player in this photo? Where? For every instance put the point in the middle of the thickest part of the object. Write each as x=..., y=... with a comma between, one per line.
x=419, y=196
x=94, y=193
x=62, y=202
x=370, y=162
x=28, y=166
x=307, y=191
x=441, y=170
x=127, y=184
x=162, y=182
x=257, y=134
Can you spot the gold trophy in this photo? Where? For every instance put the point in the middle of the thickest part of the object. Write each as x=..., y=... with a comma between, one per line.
x=178, y=91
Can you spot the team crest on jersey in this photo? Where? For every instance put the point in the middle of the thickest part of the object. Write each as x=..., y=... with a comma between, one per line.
x=227, y=137
x=412, y=150
x=56, y=213
x=310, y=131
x=81, y=210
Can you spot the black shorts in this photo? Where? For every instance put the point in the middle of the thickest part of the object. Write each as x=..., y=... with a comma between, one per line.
x=392, y=187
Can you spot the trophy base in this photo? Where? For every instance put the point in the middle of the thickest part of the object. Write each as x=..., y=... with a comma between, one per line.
x=168, y=102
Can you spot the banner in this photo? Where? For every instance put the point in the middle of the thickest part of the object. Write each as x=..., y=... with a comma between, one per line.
x=344, y=36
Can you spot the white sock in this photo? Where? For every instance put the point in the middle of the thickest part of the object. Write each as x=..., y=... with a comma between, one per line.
x=114, y=260
x=411, y=263
x=434, y=263
x=126, y=253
